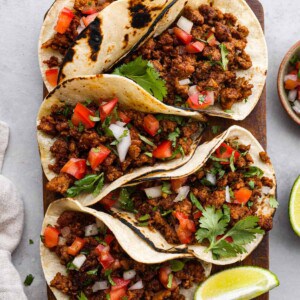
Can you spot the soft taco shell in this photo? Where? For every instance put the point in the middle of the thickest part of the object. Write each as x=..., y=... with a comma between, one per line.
x=80, y=62
x=120, y=27
x=135, y=247
x=201, y=155
x=107, y=87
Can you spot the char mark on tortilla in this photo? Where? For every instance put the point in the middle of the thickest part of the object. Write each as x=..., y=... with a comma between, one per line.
x=95, y=38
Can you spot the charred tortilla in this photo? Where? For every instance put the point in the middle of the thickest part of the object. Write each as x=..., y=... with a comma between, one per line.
x=66, y=221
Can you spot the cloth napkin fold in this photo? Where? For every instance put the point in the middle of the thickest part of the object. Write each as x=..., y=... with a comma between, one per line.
x=11, y=227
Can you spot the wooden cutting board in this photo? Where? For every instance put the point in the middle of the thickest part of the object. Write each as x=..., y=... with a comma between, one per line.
x=256, y=123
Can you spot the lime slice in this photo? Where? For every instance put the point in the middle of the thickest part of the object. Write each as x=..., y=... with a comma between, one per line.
x=241, y=283
x=294, y=207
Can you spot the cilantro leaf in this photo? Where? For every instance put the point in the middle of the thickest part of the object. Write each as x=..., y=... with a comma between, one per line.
x=28, y=280
x=173, y=136
x=82, y=296
x=144, y=74
x=254, y=171
x=273, y=202
x=195, y=201
x=125, y=201
x=215, y=129
x=224, y=53
x=176, y=265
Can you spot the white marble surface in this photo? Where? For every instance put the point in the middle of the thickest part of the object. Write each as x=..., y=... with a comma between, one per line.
x=21, y=93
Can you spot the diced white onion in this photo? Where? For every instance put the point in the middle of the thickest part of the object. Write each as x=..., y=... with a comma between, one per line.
x=292, y=95
x=185, y=24
x=291, y=77
x=79, y=261
x=61, y=241
x=65, y=231
x=177, y=280
x=129, y=274
x=125, y=141
x=137, y=286
x=297, y=104
x=80, y=29
x=185, y=81
x=193, y=90
x=182, y=193
x=211, y=178
x=227, y=194
x=296, y=109
x=121, y=124
x=91, y=230
x=99, y=286
x=265, y=190
x=153, y=192
x=211, y=95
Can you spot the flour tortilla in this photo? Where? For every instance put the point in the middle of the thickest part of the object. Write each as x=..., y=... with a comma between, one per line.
x=129, y=95
x=80, y=63
x=135, y=247
x=201, y=155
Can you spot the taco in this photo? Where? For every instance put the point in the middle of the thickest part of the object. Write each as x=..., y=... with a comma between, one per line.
x=96, y=133
x=68, y=20
x=218, y=205
x=88, y=255
x=210, y=56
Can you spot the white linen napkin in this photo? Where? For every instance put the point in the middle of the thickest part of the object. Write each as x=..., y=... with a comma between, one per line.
x=11, y=227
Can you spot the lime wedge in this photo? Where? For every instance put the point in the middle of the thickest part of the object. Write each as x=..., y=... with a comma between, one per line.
x=294, y=207
x=241, y=283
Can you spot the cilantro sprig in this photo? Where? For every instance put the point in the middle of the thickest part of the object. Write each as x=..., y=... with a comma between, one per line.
x=213, y=227
x=144, y=74
x=224, y=60
x=88, y=184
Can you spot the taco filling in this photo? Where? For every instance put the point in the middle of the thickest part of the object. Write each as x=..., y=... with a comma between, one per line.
x=70, y=22
x=97, y=143
x=221, y=206
x=98, y=268
x=197, y=60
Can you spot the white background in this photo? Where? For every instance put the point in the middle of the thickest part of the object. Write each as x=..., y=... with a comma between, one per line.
x=20, y=97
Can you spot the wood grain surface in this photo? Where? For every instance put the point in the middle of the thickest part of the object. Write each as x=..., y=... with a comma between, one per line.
x=256, y=123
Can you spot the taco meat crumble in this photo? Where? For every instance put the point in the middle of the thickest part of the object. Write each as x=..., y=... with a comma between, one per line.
x=208, y=64
x=98, y=266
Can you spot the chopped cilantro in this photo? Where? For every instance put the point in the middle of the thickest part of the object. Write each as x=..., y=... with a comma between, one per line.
x=146, y=140
x=273, y=202
x=170, y=280
x=144, y=217
x=31, y=242
x=80, y=127
x=173, y=136
x=125, y=201
x=166, y=188
x=224, y=60
x=108, y=274
x=215, y=129
x=28, y=280
x=251, y=184
x=92, y=272
x=176, y=265
x=82, y=296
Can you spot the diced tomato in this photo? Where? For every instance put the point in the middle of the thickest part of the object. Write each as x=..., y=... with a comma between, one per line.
x=108, y=201
x=297, y=65
x=290, y=84
x=201, y=100
x=89, y=10
x=52, y=76
x=117, y=294
x=242, y=195
x=51, y=237
x=89, y=19
x=298, y=89
x=185, y=229
x=151, y=125
x=107, y=108
x=163, y=150
x=120, y=283
x=82, y=115
x=176, y=184
x=97, y=156
x=109, y=238
x=182, y=35
x=294, y=72
x=124, y=118
x=197, y=214
x=75, y=167
x=195, y=47
x=225, y=152
x=164, y=273
x=105, y=258
x=64, y=20
x=211, y=40
x=77, y=245
x=229, y=239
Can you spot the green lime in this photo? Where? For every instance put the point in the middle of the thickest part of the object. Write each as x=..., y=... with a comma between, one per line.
x=241, y=283
x=294, y=206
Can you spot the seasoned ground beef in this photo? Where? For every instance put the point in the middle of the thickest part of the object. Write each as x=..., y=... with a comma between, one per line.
x=174, y=63
x=72, y=141
x=178, y=219
x=71, y=225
